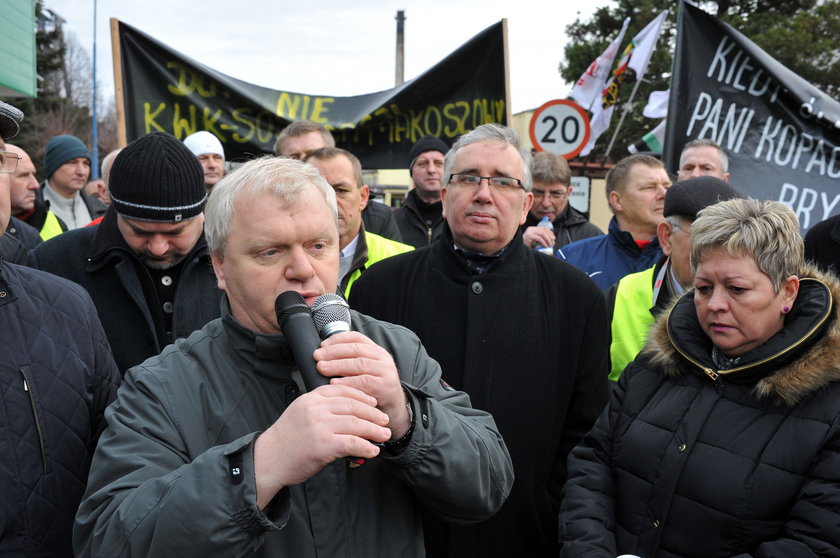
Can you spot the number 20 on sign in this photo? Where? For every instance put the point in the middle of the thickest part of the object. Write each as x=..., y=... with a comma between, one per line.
x=560, y=127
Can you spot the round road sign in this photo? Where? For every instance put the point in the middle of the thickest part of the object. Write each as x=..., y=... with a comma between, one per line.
x=560, y=127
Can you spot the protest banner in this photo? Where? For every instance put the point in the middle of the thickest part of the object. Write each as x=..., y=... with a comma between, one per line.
x=781, y=133
x=159, y=89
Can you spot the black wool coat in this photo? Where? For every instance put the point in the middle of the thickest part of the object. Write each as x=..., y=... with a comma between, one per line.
x=98, y=259
x=527, y=340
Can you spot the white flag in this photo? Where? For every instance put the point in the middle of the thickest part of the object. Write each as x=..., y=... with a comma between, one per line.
x=644, y=43
x=657, y=105
x=588, y=88
x=636, y=55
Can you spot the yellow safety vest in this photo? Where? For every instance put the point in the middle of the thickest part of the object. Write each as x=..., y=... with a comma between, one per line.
x=631, y=319
x=378, y=248
x=51, y=227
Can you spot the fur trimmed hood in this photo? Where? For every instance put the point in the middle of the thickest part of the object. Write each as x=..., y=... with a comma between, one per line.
x=797, y=361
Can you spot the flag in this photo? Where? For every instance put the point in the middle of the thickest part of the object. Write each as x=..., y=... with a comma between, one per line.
x=636, y=57
x=657, y=106
x=590, y=85
x=651, y=142
x=780, y=132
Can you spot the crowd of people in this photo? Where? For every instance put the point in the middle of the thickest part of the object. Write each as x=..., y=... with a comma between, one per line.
x=666, y=389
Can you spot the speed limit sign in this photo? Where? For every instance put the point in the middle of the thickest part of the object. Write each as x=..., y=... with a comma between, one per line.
x=560, y=127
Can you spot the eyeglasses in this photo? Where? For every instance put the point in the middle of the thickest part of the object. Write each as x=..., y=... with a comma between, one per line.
x=8, y=161
x=555, y=196
x=498, y=182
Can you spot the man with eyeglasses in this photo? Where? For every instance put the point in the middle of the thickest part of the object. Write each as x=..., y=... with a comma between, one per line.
x=634, y=302
x=524, y=335
x=57, y=376
x=552, y=187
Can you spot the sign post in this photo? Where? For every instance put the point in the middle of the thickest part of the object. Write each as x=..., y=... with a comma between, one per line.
x=560, y=127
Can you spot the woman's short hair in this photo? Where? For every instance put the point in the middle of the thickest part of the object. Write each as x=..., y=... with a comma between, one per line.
x=766, y=231
x=286, y=178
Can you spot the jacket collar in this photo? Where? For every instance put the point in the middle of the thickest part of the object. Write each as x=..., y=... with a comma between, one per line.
x=796, y=361
x=108, y=243
x=512, y=252
x=570, y=216
x=625, y=241
x=267, y=354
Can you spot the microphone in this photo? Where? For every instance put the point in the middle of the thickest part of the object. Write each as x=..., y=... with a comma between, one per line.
x=331, y=314
x=295, y=320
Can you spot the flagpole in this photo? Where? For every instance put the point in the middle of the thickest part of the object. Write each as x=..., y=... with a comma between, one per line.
x=624, y=112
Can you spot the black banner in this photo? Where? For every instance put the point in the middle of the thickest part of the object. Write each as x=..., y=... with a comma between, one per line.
x=781, y=133
x=166, y=91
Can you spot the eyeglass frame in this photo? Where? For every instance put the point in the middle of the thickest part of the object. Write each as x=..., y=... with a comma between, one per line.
x=490, y=181
x=8, y=156
x=553, y=196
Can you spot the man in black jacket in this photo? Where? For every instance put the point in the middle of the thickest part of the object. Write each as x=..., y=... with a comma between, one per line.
x=56, y=378
x=146, y=266
x=421, y=216
x=552, y=187
x=524, y=335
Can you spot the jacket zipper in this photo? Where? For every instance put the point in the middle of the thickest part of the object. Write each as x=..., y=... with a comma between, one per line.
x=37, y=420
x=428, y=235
x=716, y=377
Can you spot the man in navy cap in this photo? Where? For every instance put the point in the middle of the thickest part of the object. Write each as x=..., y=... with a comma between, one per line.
x=67, y=165
x=420, y=217
x=146, y=265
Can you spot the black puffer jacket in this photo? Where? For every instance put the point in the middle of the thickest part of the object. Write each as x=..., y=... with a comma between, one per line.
x=56, y=378
x=689, y=462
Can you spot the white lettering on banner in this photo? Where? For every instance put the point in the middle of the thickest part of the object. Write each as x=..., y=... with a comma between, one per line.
x=803, y=200
x=731, y=71
x=730, y=133
x=785, y=145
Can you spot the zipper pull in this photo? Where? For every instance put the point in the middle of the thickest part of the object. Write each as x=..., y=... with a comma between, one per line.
x=715, y=378
x=25, y=385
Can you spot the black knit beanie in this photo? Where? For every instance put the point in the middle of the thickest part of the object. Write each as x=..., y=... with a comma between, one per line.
x=426, y=143
x=157, y=178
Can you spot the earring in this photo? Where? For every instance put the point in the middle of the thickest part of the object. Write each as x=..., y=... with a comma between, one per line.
x=785, y=309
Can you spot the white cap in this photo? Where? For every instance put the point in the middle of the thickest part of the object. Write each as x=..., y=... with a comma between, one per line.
x=201, y=143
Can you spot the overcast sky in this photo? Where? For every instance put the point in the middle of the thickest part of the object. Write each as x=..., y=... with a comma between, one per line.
x=336, y=47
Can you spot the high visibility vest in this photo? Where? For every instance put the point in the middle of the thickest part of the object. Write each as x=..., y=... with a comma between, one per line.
x=51, y=227
x=631, y=319
x=378, y=248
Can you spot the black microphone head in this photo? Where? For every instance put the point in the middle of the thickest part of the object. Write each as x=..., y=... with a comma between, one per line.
x=288, y=304
x=331, y=314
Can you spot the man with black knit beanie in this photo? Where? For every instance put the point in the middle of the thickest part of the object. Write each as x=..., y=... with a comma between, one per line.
x=420, y=217
x=146, y=265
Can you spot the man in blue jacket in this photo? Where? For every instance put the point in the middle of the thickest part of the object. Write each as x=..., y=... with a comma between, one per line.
x=636, y=188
